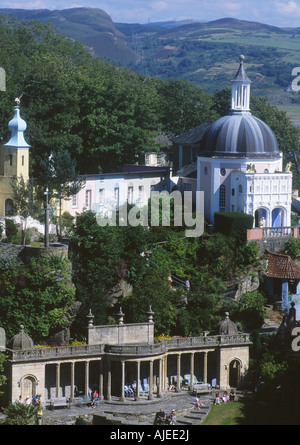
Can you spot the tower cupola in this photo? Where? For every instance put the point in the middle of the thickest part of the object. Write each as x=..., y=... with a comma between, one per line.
x=240, y=90
x=17, y=127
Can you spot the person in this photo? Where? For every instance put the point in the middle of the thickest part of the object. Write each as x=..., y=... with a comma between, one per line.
x=187, y=285
x=27, y=401
x=36, y=400
x=95, y=398
x=198, y=403
x=133, y=386
x=217, y=399
x=170, y=279
x=232, y=395
x=172, y=418
x=160, y=417
x=225, y=397
x=127, y=391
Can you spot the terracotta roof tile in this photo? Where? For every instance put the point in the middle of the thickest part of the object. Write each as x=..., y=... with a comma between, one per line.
x=281, y=266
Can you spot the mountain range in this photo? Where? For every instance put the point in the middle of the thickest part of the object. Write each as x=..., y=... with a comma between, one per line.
x=205, y=53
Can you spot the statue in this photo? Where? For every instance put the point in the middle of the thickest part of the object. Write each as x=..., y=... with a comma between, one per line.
x=288, y=167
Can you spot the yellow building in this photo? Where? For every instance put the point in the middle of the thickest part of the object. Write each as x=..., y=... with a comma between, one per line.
x=14, y=160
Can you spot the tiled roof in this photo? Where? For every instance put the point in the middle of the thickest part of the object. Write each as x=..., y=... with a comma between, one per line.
x=281, y=266
x=192, y=136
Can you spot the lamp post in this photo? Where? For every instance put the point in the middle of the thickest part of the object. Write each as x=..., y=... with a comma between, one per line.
x=46, y=207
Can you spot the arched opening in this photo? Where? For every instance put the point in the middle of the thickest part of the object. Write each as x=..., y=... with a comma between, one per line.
x=234, y=373
x=260, y=218
x=9, y=208
x=277, y=217
x=28, y=387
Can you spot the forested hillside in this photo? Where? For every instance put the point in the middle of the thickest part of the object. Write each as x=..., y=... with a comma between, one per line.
x=100, y=114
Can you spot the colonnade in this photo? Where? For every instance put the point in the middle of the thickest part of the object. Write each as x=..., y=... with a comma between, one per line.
x=157, y=380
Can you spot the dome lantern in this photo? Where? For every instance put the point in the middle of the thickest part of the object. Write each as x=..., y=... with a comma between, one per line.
x=240, y=90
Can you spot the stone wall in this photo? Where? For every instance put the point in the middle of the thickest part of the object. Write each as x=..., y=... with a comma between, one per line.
x=27, y=253
x=121, y=334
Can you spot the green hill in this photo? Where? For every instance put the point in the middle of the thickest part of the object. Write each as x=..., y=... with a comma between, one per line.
x=205, y=53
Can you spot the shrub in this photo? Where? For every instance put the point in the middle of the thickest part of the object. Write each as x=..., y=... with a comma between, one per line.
x=233, y=224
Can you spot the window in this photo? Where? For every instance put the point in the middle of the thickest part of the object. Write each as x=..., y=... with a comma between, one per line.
x=141, y=192
x=88, y=199
x=116, y=196
x=23, y=160
x=101, y=196
x=241, y=188
x=130, y=195
x=74, y=201
x=222, y=198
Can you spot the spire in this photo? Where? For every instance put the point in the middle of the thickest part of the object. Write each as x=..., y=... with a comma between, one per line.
x=17, y=126
x=240, y=91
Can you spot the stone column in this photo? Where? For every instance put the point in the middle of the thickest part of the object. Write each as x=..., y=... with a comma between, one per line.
x=205, y=367
x=122, y=398
x=160, y=378
x=101, y=396
x=178, y=386
x=138, y=377
x=150, y=380
x=108, y=380
x=72, y=380
x=192, y=371
x=86, y=378
x=57, y=379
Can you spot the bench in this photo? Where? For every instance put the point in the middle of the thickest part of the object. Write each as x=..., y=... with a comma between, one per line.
x=201, y=388
x=59, y=402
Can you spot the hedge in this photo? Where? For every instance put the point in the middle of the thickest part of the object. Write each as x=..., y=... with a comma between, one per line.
x=233, y=224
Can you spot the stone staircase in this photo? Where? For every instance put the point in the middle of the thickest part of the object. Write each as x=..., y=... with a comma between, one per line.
x=193, y=417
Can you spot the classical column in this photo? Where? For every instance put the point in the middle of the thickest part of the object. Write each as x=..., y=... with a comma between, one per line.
x=138, y=377
x=122, y=398
x=72, y=380
x=108, y=392
x=178, y=386
x=160, y=378
x=150, y=380
x=192, y=371
x=205, y=367
x=57, y=379
x=101, y=396
x=86, y=379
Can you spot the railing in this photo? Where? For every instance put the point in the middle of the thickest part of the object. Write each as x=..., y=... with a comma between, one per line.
x=277, y=232
x=57, y=352
x=162, y=347
x=208, y=341
x=157, y=348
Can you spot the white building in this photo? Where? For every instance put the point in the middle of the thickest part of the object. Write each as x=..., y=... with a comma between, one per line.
x=133, y=185
x=239, y=166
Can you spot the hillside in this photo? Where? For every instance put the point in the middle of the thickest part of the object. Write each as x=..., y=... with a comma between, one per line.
x=205, y=53
x=91, y=26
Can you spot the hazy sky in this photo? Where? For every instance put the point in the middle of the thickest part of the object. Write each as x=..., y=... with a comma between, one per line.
x=273, y=12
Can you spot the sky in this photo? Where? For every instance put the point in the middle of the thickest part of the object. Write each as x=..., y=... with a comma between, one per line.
x=283, y=13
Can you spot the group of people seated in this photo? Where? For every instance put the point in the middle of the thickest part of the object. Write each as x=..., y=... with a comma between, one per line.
x=130, y=390
x=162, y=419
x=35, y=401
x=225, y=398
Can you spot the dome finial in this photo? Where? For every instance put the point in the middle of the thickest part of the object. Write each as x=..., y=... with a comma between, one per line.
x=242, y=58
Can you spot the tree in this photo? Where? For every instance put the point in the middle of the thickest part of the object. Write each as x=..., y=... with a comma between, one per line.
x=59, y=175
x=20, y=414
x=37, y=296
x=101, y=258
x=24, y=203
